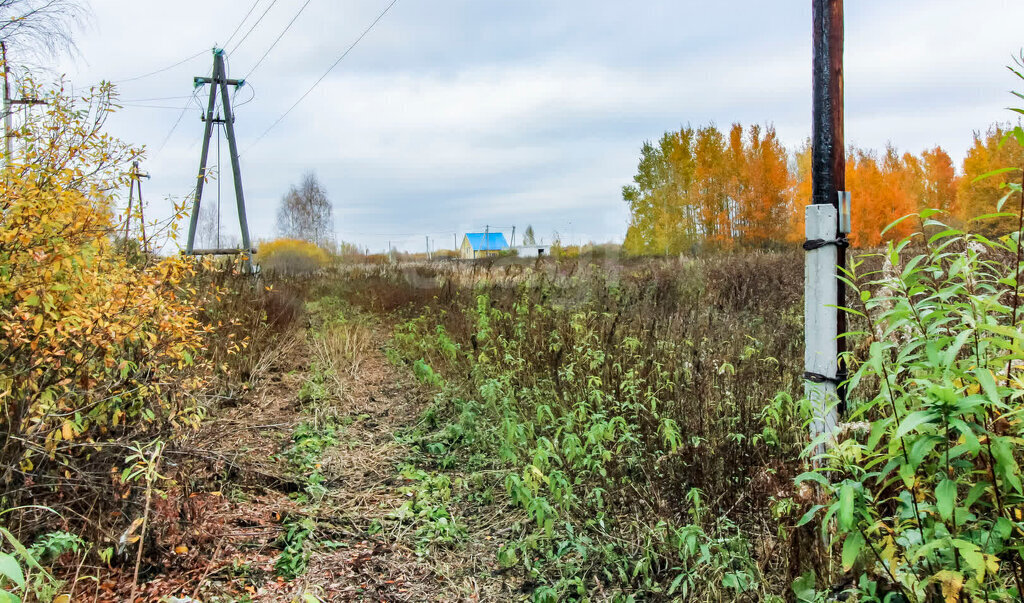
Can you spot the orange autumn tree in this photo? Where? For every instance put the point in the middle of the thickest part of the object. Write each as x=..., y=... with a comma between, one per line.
x=766, y=194
x=708, y=192
x=91, y=345
x=939, y=182
x=979, y=197
x=802, y=192
x=702, y=189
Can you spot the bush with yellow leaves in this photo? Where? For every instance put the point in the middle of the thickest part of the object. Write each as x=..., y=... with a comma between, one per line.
x=292, y=257
x=93, y=347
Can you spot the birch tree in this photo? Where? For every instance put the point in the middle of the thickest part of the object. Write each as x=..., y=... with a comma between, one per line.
x=306, y=213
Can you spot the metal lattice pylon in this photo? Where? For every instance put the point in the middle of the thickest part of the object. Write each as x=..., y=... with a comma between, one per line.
x=219, y=85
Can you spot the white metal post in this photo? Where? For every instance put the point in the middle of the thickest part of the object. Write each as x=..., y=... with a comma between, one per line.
x=820, y=312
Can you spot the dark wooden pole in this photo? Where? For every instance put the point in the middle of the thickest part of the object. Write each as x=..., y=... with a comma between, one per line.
x=828, y=172
x=829, y=159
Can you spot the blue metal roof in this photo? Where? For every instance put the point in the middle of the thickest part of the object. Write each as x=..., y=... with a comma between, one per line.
x=480, y=241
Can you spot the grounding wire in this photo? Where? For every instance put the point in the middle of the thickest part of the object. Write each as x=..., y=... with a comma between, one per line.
x=281, y=35
x=326, y=73
x=168, y=68
x=242, y=22
x=270, y=6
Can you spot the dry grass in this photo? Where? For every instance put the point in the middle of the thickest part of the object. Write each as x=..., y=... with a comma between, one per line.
x=340, y=350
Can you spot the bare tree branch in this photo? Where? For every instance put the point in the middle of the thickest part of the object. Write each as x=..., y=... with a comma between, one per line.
x=41, y=29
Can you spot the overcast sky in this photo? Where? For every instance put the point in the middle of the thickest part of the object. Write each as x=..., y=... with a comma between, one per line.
x=456, y=114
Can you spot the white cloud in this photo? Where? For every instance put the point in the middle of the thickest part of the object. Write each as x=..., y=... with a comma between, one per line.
x=458, y=113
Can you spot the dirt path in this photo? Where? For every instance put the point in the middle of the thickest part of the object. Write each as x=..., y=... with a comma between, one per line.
x=359, y=473
x=311, y=489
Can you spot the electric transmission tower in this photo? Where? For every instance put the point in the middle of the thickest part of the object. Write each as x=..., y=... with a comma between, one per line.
x=219, y=85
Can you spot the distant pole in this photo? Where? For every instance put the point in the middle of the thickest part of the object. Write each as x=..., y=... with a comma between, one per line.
x=826, y=242
x=427, y=240
x=131, y=199
x=7, y=107
x=487, y=239
x=142, y=209
x=513, y=236
x=135, y=179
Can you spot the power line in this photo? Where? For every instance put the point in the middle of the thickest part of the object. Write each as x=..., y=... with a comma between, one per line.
x=176, y=123
x=144, y=106
x=326, y=73
x=270, y=6
x=168, y=68
x=286, y=28
x=397, y=235
x=147, y=100
x=200, y=53
x=242, y=22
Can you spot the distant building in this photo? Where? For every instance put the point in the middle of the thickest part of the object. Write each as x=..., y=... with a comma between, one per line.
x=532, y=251
x=480, y=244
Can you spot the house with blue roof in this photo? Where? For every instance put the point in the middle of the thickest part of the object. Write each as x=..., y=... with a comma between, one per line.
x=482, y=244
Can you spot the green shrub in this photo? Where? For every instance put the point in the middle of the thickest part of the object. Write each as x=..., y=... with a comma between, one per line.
x=926, y=498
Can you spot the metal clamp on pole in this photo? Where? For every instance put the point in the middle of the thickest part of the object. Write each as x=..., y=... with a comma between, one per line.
x=839, y=379
x=845, y=213
x=812, y=244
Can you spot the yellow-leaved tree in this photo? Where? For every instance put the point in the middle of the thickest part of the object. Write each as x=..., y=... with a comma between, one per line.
x=92, y=346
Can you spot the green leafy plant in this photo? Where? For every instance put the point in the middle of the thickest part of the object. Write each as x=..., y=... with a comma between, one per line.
x=927, y=501
x=294, y=557
x=429, y=508
x=22, y=574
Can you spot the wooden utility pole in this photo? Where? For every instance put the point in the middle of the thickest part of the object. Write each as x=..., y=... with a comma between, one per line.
x=219, y=85
x=136, y=180
x=827, y=223
x=9, y=106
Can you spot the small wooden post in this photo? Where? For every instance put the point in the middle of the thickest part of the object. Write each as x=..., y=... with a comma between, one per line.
x=136, y=177
x=7, y=108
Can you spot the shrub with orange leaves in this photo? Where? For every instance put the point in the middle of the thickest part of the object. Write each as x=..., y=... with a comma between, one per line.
x=92, y=346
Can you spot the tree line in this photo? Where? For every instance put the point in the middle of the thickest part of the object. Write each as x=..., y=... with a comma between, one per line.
x=702, y=189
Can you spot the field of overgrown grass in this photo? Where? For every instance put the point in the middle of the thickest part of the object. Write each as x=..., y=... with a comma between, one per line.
x=637, y=417
x=638, y=430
